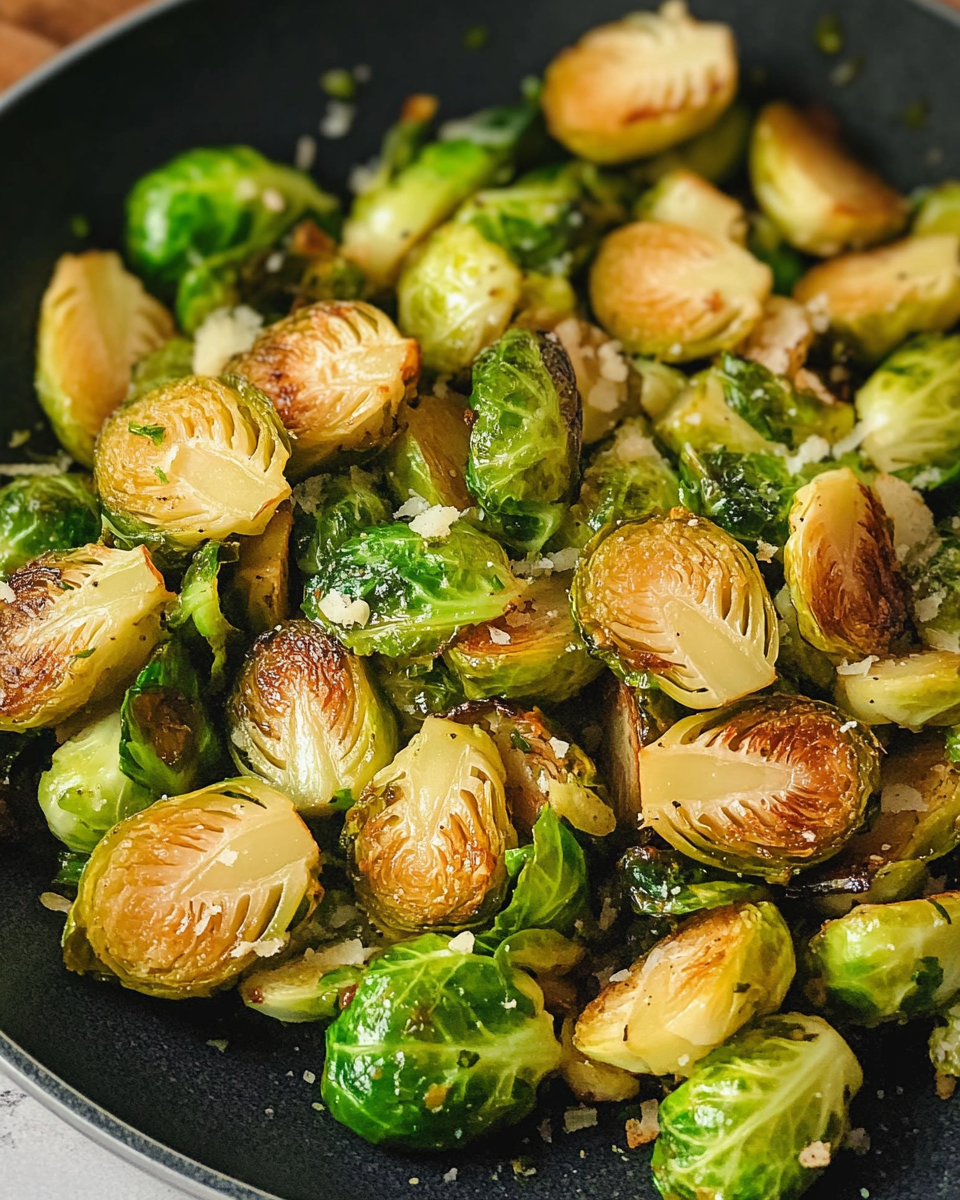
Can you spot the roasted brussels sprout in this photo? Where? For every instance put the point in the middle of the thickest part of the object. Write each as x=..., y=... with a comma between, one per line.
x=437, y=1047
x=631, y=718
x=331, y=509
x=677, y=598
x=916, y=689
x=663, y=883
x=602, y=373
x=674, y=292
x=640, y=85
x=823, y=200
x=840, y=564
x=768, y=786
x=45, y=512
x=259, y=592
x=887, y=962
x=693, y=991
x=418, y=688
x=172, y=361
x=427, y=840
x=593, y=1082
x=96, y=321
x=198, y=614
x=305, y=717
x=761, y=1116
x=534, y=650
x=394, y=590
x=717, y=154
x=748, y=495
x=309, y=988
x=428, y=458
x=193, y=460
x=683, y=198
x=78, y=626
x=699, y=416
x=337, y=373
x=876, y=299
x=84, y=792
x=938, y=210
x=798, y=663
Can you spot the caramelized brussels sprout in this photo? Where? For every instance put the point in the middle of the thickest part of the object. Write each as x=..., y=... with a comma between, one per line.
x=198, y=459
x=310, y=988
x=767, y=786
x=700, y=417
x=640, y=85
x=938, y=210
x=677, y=598
x=84, y=792
x=663, y=883
x=534, y=650
x=331, y=509
x=748, y=495
x=428, y=838
x=841, y=568
x=674, y=292
x=305, y=717
x=876, y=299
x=593, y=1082
x=45, y=512
x=259, y=591
x=428, y=458
x=683, y=198
x=80, y=624
x=916, y=689
x=823, y=200
x=693, y=991
x=337, y=373
x=632, y=718
x=177, y=901
x=525, y=438
x=418, y=688
x=96, y=321
x=602, y=373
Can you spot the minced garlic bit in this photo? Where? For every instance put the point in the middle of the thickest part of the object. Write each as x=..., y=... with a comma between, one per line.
x=450, y=1176
x=55, y=902
x=412, y=507
x=344, y=610
x=225, y=332
x=647, y=1129
x=559, y=747
x=309, y=1077
x=765, y=551
x=7, y=594
x=462, y=943
x=815, y=1156
x=499, y=637
x=858, y=668
x=435, y=522
x=901, y=797
x=575, y=1119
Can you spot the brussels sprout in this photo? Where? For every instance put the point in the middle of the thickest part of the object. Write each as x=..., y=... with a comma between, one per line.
x=910, y=407
x=259, y=591
x=80, y=625
x=429, y=456
x=676, y=597
x=545, y=301
x=716, y=155
x=700, y=417
x=178, y=900
x=418, y=688
x=168, y=744
x=172, y=361
x=674, y=292
x=602, y=373
x=945, y=1046
x=337, y=373
x=767, y=786
x=45, y=512
x=391, y=590
x=916, y=689
x=640, y=85
x=662, y=883
x=525, y=439
x=748, y=495
x=197, y=459
x=331, y=509
x=632, y=718
x=887, y=962
x=593, y=1082
x=428, y=838
x=310, y=988
x=804, y=665
x=938, y=210
x=534, y=650
x=305, y=717
x=658, y=384
x=682, y=197
x=841, y=568
x=936, y=592
x=823, y=200
x=876, y=299
x=767, y=243
x=760, y=1116
x=437, y=1047
x=695, y=989
x=84, y=793
x=96, y=321
x=198, y=612
x=326, y=273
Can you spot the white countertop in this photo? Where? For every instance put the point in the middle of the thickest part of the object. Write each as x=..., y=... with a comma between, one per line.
x=41, y=1158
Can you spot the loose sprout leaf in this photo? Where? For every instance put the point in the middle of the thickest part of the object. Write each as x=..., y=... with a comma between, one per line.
x=428, y=458
x=748, y=495
x=198, y=610
x=310, y=988
x=39, y=513
x=418, y=688
x=663, y=883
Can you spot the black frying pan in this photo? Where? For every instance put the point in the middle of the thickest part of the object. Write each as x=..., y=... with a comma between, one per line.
x=141, y=1073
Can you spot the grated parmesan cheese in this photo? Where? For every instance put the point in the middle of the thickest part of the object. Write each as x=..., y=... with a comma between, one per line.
x=412, y=507
x=225, y=332
x=272, y=200
x=815, y=449
x=54, y=902
x=575, y=1119
x=815, y=1156
x=435, y=522
x=337, y=121
x=559, y=747
x=565, y=560
x=913, y=522
x=499, y=637
x=7, y=594
x=924, y=610
x=857, y=668
x=613, y=366
x=305, y=154
x=900, y=797
x=462, y=943
x=619, y=976
x=344, y=610
x=765, y=551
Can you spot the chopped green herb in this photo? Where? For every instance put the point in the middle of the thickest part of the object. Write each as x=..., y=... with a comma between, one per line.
x=153, y=432
x=160, y=475
x=476, y=37
x=518, y=742
x=829, y=34
x=83, y=653
x=339, y=83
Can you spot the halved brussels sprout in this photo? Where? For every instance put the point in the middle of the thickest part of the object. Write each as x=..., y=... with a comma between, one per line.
x=841, y=568
x=699, y=416
x=663, y=883
x=331, y=509
x=938, y=210
x=887, y=962
x=310, y=988
x=418, y=688
x=761, y=1116
x=768, y=786
x=682, y=197
x=428, y=838
x=96, y=320
x=593, y=1082
x=876, y=299
x=337, y=373
x=914, y=690
x=80, y=625
x=428, y=458
x=305, y=717
x=525, y=439
x=717, y=154
x=693, y=991
x=534, y=650
x=632, y=718
x=659, y=384
x=677, y=598
x=198, y=459
x=259, y=591
x=437, y=1047
x=84, y=792
x=674, y=292
x=180, y=899
x=45, y=512
x=808, y=668
x=392, y=590
x=602, y=373
x=640, y=85
x=822, y=199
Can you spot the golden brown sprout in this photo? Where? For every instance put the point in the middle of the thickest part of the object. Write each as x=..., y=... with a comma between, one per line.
x=428, y=458
x=842, y=569
x=682, y=197
x=632, y=718
x=913, y=690
x=674, y=292
x=603, y=376
x=337, y=373
x=96, y=321
x=640, y=85
x=261, y=580
x=593, y=1082
x=821, y=199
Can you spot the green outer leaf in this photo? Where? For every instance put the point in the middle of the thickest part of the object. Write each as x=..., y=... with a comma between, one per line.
x=45, y=512
x=662, y=882
x=330, y=509
x=294, y=993
x=198, y=606
x=748, y=495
